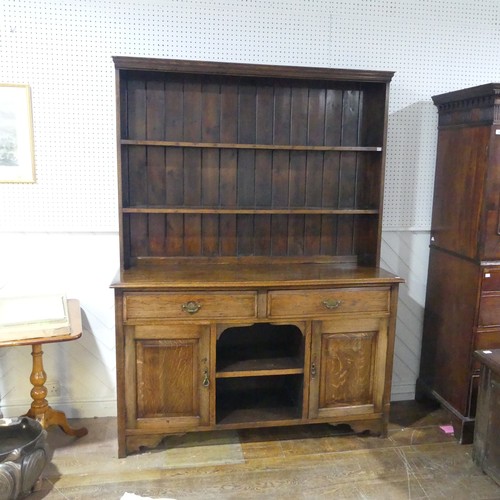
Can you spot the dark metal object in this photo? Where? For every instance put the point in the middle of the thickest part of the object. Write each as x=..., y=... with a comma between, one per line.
x=23, y=455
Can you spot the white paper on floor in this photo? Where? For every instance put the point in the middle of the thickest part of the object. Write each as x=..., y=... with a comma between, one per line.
x=133, y=496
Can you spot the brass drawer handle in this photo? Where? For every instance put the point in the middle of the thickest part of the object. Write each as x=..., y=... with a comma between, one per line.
x=331, y=304
x=191, y=307
x=206, y=381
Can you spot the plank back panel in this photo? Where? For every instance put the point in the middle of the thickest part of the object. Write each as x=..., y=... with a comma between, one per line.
x=196, y=125
x=175, y=235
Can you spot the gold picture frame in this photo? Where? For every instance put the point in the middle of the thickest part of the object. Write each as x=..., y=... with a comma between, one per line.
x=17, y=158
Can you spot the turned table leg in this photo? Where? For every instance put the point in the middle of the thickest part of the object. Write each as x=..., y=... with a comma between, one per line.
x=40, y=409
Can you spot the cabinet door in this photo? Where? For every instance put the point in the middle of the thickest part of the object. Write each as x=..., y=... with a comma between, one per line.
x=170, y=365
x=348, y=359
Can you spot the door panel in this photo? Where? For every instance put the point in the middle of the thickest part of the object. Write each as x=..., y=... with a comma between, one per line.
x=172, y=371
x=347, y=367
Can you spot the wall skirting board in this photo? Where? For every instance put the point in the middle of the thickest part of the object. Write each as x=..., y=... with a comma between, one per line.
x=72, y=409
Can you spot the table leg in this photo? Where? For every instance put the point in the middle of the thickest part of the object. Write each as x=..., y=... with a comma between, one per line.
x=40, y=409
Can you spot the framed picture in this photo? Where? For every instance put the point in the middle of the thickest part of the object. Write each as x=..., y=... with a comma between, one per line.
x=17, y=159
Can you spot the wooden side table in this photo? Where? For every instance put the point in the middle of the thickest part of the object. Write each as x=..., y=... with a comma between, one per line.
x=40, y=409
x=486, y=447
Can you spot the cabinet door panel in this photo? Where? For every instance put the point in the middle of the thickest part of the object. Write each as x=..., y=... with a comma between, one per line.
x=172, y=370
x=161, y=366
x=459, y=184
x=347, y=367
x=490, y=234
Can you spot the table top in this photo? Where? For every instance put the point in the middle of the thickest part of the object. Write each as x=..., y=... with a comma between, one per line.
x=170, y=275
x=75, y=321
x=490, y=358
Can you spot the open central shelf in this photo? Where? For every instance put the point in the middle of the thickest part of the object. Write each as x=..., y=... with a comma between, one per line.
x=260, y=347
x=262, y=399
x=257, y=366
x=262, y=367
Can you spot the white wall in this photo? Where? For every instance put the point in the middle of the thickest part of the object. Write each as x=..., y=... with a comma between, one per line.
x=60, y=233
x=82, y=265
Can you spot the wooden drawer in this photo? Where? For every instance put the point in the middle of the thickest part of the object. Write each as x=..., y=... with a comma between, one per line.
x=491, y=280
x=314, y=303
x=489, y=310
x=189, y=305
x=487, y=340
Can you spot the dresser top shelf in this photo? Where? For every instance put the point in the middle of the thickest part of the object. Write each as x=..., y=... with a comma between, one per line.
x=249, y=70
x=222, y=160
x=188, y=274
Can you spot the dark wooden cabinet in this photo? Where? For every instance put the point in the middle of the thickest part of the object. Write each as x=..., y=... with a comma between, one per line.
x=486, y=449
x=463, y=287
x=250, y=212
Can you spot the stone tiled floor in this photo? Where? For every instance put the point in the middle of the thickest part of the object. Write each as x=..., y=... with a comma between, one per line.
x=418, y=460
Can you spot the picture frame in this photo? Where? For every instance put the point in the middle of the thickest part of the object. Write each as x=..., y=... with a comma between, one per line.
x=17, y=159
